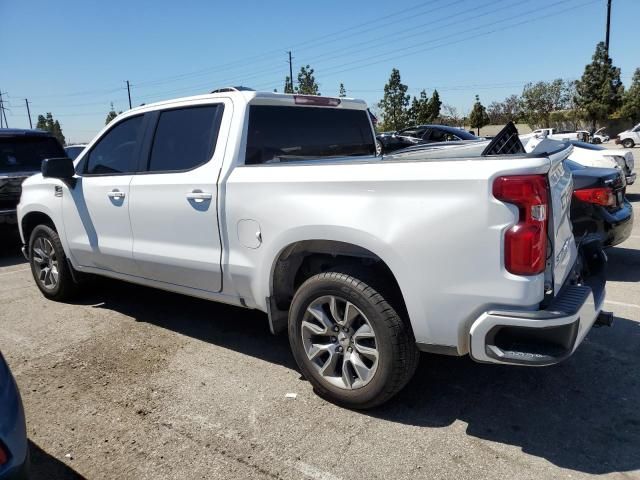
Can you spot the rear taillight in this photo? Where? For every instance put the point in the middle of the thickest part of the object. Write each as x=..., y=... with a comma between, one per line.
x=598, y=196
x=525, y=244
x=4, y=456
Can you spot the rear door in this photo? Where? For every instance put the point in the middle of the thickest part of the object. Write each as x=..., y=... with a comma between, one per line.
x=174, y=215
x=96, y=210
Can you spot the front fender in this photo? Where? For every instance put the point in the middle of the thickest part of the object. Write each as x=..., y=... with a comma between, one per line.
x=39, y=195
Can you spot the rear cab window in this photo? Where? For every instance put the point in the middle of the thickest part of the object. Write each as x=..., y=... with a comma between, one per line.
x=287, y=133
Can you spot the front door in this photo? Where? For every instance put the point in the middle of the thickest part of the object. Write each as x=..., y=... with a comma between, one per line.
x=174, y=217
x=96, y=209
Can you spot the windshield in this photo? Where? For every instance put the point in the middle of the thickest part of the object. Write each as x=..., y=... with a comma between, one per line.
x=19, y=154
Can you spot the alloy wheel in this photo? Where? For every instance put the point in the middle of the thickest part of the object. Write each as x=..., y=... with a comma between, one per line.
x=45, y=263
x=339, y=342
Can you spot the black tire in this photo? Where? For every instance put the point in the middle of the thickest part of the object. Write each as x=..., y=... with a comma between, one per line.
x=398, y=356
x=65, y=287
x=628, y=143
x=597, y=141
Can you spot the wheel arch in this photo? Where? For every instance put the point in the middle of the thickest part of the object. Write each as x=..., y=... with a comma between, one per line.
x=31, y=220
x=301, y=259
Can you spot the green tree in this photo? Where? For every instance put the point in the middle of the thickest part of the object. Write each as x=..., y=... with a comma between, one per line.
x=631, y=100
x=599, y=91
x=433, y=107
x=343, y=91
x=57, y=132
x=505, y=111
x=307, y=82
x=42, y=123
x=288, y=86
x=540, y=99
x=478, y=117
x=418, y=113
x=48, y=124
x=111, y=115
x=394, y=103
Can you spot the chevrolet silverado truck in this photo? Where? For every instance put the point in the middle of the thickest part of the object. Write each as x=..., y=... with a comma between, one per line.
x=279, y=203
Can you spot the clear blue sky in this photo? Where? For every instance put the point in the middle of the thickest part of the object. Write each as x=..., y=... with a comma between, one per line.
x=71, y=57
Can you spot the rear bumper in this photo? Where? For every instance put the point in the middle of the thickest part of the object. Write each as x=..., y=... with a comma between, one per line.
x=542, y=337
x=617, y=225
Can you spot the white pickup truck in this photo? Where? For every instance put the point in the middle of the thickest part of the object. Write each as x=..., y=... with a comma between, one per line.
x=279, y=203
x=556, y=134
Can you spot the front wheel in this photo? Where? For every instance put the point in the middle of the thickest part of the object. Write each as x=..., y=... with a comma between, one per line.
x=349, y=342
x=49, y=266
x=627, y=143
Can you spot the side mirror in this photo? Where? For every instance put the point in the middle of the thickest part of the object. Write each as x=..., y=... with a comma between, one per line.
x=61, y=168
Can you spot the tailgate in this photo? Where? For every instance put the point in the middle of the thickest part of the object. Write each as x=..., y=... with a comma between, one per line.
x=564, y=251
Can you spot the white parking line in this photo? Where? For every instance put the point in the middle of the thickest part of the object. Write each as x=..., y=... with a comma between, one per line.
x=14, y=271
x=622, y=304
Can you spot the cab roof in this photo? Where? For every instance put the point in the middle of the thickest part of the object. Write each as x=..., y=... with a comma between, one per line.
x=253, y=97
x=23, y=132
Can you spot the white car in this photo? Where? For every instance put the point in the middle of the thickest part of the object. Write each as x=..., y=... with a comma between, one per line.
x=278, y=203
x=591, y=155
x=597, y=156
x=629, y=138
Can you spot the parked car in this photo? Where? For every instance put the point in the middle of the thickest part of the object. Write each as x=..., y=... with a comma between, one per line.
x=423, y=134
x=21, y=154
x=629, y=138
x=590, y=155
x=73, y=151
x=599, y=208
x=599, y=136
x=278, y=203
x=14, y=447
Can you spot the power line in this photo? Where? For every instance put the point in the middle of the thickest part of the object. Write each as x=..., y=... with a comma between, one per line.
x=271, y=83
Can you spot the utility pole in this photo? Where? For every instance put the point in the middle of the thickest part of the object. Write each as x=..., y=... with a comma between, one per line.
x=3, y=114
x=290, y=71
x=606, y=42
x=129, y=92
x=26, y=102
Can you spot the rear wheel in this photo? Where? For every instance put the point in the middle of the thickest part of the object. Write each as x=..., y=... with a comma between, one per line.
x=349, y=342
x=627, y=143
x=49, y=265
x=597, y=141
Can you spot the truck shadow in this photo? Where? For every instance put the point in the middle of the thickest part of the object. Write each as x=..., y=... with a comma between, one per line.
x=580, y=415
x=10, y=247
x=45, y=466
x=623, y=264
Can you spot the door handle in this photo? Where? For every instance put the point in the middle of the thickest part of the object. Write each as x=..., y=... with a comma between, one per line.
x=117, y=194
x=199, y=195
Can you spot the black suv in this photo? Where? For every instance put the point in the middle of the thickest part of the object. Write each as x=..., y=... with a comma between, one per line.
x=21, y=154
